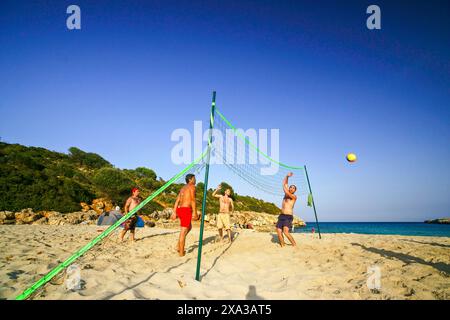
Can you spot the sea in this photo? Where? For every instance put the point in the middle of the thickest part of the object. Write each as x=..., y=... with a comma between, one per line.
x=392, y=228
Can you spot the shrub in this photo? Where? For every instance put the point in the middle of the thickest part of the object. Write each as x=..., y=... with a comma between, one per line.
x=113, y=183
x=88, y=159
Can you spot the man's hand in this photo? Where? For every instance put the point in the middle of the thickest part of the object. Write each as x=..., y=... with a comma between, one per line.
x=196, y=217
x=215, y=191
x=174, y=215
x=290, y=174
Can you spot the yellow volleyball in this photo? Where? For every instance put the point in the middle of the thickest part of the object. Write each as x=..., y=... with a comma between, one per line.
x=351, y=157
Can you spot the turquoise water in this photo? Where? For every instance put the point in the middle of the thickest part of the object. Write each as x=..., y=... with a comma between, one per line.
x=395, y=228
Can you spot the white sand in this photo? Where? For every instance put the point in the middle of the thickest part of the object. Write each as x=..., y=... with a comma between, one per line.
x=252, y=267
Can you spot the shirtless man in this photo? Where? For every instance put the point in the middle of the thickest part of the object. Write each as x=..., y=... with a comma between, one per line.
x=130, y=224
x=286, y=217
x=186, y=209
x=223, y=218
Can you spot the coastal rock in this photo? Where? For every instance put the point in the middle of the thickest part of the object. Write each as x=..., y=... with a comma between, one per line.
x=49, y=214
x=32, y=218
x=55, y=219
x=90, y=215
x=41, y=221
x=263, y=222
x=23, y=214
x=439, y=221
x=164, y=214
x=7, y=215
x=259, y=221
x=73, y=218
x=85, y=207
x=150, y=223
x=11, y=221
x=26, y=216
x=101, y=205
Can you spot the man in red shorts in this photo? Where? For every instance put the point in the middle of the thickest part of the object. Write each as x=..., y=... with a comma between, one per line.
x=186, y=209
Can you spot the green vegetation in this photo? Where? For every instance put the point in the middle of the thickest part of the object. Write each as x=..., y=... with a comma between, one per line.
x=41, y=179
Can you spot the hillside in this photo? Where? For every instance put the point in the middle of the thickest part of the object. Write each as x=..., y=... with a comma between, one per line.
x=37, y=178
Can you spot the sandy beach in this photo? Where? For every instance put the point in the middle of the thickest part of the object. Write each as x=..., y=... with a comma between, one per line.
x=252, y=267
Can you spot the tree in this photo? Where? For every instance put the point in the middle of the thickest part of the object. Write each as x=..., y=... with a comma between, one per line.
x=143, y=172
x=113, y=183
x=88, y=159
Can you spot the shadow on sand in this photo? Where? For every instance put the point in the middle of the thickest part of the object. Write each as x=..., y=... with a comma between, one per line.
x=251, y=294
x=275, y=238
x=406, y=258
x=205, y=241
x=112, y=295
x=276, y=241
x=235, y=236
x=192, y=248
x=429, y=243
x=155, y=235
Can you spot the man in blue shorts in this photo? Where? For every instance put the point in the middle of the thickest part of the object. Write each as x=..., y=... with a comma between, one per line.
x=286, y=217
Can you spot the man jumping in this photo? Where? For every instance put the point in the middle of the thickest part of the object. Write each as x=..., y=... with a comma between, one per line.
x=186, y=209
x=286, y=217
x=223, y=218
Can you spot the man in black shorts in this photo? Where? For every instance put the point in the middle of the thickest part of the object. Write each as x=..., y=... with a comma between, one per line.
x=286, y=217
x=130, y=224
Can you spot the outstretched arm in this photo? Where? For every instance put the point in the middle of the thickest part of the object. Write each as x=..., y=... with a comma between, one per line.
x=214, y=194
x=286, y=186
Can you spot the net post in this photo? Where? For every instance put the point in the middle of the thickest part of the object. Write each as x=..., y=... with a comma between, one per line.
x=205, y=188
x=314, y=206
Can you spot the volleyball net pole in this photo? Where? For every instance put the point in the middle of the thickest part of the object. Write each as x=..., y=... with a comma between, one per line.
x=205, y=187
x=312, y=200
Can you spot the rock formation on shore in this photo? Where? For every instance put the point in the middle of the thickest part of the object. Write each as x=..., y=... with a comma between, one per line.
x=240, y=219
x=439, y=221
x=27, y=216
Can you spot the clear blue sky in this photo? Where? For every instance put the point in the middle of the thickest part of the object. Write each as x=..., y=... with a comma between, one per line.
x=137, y=70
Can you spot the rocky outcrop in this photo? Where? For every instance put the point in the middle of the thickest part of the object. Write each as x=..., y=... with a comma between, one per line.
x=27, y=216
x=7, y=215
x=439, y=221
x=164, y=214
x=263, y=222
x=98, y=205
x=255, y=220
x=240, y=219
x=85, y=207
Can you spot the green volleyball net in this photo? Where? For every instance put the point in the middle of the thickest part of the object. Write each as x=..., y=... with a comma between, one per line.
x=236, y=155
x=245, y=153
